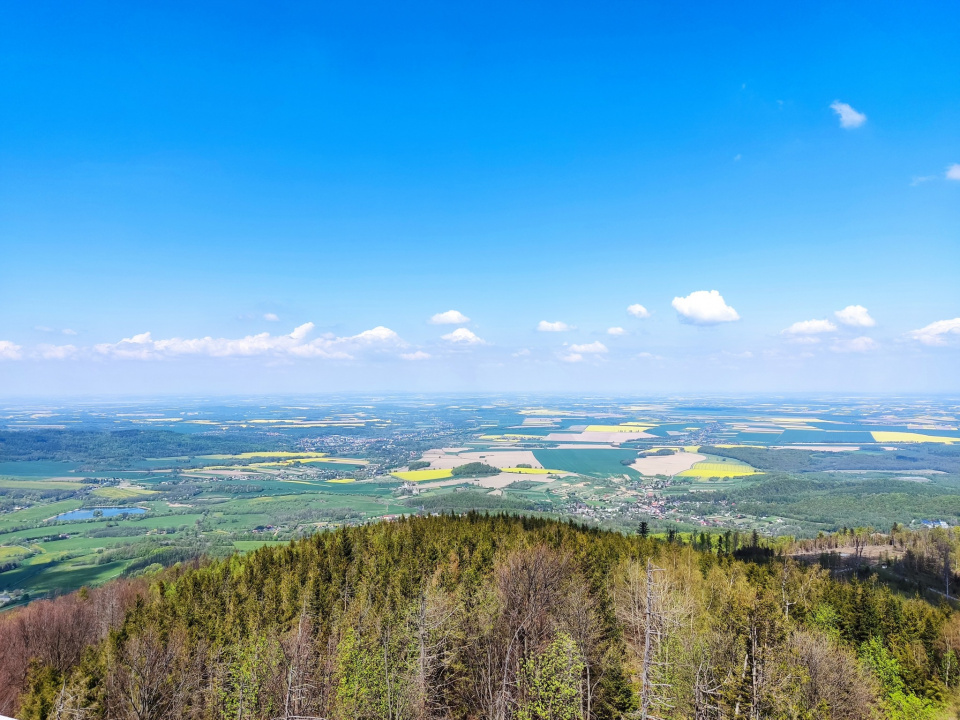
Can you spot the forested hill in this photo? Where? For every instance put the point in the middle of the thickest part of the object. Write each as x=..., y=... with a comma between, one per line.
x=119, y=446
x=481, y=617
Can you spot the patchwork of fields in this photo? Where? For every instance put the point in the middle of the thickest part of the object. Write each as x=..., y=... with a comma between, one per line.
x=229, y=479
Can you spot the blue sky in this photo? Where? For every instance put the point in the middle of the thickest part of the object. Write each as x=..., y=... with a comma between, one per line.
x=237, y=171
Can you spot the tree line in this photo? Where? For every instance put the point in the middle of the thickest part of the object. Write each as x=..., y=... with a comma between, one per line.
x=479, y=616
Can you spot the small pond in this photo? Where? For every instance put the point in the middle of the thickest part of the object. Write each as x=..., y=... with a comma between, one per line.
x=88, y=514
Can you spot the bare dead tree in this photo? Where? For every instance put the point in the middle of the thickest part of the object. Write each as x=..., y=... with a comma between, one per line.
x=151, y=677
x=706, y=693
x=643, y=609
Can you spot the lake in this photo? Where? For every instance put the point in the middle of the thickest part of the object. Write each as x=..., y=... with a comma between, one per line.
x=107, y=512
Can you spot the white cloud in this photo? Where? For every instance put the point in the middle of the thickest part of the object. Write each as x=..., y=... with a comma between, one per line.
x=953, y=172
x=804, y=340
x=68, y=331
x=9, y=350
x=704, y=308
x=616, y=331
x=545, y=326
x=649, y=356
x=450, y=317
x=589, y=348
x=271, y=317
x=522, y=352
x=810, y=327
x=144, y=347
x=56, y=352
x=855, y=316
x=638, y=310
x=849, y=118
x=462, y=336
x=936, y=332
x=860, y=344
x=379, y=334
x=572, y=358
x=418, y=355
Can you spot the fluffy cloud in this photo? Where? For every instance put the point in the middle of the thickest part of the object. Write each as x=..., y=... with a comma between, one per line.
x=859, y=345
x=56, y=352
x=849, y=118
x=418, y=355
x=271, y=317
x=933, y=334
x=9, y=350
x=463, y=337
x=953, y=172
x=810, y=327
x=296, y=344
x=589, y=348
x=68, y=331
x=855, y=316
x=616, y=331
x=545, y=326
x=704, y=307
x=379, y=334
x=572, y=358
x=450, y=317
x=638, y=311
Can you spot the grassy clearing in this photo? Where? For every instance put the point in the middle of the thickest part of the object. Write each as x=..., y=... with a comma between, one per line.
x=619, y=428
x=63, y=485
x=115, y=493
x=250, y=545
x=36, y=513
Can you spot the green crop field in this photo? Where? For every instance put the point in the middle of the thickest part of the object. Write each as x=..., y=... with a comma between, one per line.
x=588, y=461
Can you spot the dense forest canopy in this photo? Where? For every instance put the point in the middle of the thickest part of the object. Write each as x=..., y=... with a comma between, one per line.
x=483, y=617
x=122, y=445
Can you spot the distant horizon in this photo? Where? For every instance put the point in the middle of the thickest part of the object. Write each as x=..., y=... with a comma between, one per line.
x=349, y=396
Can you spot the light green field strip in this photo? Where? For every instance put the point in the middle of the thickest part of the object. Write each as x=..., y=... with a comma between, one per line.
x=115, y=493
x=619, y=428
x=264, y=454
x=331, y=460
x=506, y=437
x=532, y=471
x=11, y=484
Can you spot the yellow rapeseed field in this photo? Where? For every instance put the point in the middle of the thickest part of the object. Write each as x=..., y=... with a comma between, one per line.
x=719, y=470
x=885, y=437
x=418, y=475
